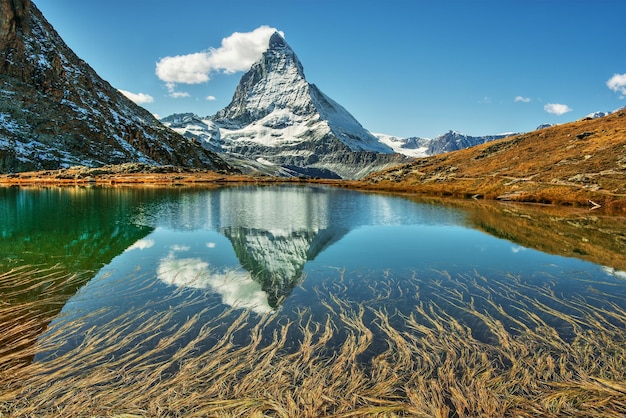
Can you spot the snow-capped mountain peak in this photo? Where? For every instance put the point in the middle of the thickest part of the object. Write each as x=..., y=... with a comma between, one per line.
x=276, y=81
x=277, y=115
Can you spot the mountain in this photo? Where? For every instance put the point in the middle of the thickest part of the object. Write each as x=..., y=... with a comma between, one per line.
x=195, y=128
x=412, y=147
x=55, y=111
x=453, y=141
x=422, y=147
x=571, y=163
x=281, y=121
x=601, y=114
x=276, y=258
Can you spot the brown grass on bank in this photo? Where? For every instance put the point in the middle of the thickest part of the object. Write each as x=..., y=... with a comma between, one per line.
x=477, y=347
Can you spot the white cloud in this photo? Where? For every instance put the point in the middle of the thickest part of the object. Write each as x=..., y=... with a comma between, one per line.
x=236, y=287
x=211, y=98
x=142, y=244
x=522, y=99
x=237, y=53
x=179, y=94
x=171, y=87
x=617, y=83
x=557, y=108
x=139, y=98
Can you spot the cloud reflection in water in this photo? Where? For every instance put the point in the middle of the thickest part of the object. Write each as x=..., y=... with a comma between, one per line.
x=236, y=287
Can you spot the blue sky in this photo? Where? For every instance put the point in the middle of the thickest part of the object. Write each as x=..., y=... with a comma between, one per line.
x=404, y=68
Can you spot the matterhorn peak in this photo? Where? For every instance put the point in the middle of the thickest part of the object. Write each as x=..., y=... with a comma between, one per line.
x=275, y=81
x=278, y=117
x=277, y=41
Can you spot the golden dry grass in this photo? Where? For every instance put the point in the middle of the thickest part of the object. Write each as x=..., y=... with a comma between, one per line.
x=31, y=297
x=474, y=346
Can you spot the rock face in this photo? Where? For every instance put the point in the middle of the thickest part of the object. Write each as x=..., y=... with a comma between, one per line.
x=453, y=141
x=55, y=111
x=277, y=117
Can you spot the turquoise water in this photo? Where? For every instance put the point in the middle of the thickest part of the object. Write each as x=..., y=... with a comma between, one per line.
x=277, y=250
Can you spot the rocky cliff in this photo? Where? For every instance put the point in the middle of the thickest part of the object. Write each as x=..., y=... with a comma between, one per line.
x=55, y=111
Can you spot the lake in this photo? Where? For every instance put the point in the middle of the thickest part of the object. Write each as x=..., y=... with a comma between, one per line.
x=318, y=299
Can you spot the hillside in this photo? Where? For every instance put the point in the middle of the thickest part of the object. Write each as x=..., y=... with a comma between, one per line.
x=571, y=163
x=56, y=112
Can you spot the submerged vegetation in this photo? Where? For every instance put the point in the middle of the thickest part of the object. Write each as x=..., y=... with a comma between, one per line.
x=454, y=344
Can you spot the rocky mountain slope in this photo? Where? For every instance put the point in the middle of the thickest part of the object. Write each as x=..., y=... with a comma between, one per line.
x=279, y=120
x=570, y=163
x=55, y=111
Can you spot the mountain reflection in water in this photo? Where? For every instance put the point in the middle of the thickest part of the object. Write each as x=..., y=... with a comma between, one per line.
x=269, y=248
x=273, y=231
x=227, y=294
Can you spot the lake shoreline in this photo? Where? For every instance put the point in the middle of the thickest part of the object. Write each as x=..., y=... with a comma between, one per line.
x=133, y=174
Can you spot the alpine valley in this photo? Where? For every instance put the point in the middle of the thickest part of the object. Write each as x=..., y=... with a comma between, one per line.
x=56, y=112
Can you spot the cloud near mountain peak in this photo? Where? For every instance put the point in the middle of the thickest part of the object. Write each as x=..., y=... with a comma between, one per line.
x=237, y=53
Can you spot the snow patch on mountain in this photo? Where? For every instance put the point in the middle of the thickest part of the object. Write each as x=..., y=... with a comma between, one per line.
x=195, y=128
x=412, y=147
x=276, y=129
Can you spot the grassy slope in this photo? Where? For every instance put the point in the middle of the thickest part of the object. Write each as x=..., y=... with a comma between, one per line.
x=566, y=164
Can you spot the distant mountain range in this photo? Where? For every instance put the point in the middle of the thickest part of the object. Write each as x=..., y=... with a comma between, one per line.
x=423, y=147
x=56, y=112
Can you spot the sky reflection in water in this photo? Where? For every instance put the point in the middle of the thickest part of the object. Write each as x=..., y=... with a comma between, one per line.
x=271, y=249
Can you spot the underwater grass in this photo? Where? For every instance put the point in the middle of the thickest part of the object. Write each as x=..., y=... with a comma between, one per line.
x=465, y=345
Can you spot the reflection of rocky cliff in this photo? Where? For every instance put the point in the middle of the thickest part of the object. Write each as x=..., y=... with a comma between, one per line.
x=276, y=259
x=80, y=229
